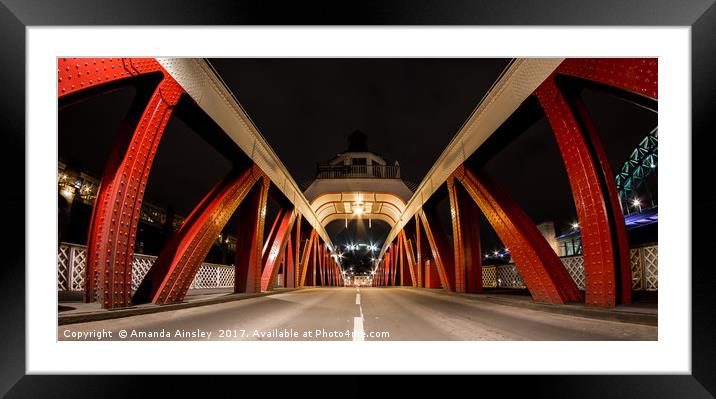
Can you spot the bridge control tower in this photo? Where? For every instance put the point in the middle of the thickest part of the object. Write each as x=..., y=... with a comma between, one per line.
x=358, y=183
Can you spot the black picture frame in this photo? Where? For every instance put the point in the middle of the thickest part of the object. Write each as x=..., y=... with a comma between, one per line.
x=16, y=15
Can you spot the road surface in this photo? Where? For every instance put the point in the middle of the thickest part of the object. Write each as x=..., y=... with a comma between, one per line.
x=399, y=314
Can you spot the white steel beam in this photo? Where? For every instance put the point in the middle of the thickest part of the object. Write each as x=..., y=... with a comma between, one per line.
x=208, y=90
x=510, y=90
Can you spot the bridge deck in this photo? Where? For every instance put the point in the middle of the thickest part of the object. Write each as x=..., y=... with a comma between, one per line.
x=383, y=313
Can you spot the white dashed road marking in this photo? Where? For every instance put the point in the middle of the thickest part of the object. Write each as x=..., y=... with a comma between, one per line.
x=358, y=329
x=358, y=321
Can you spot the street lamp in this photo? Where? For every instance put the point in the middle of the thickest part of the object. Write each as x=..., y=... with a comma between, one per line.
x=637, y=204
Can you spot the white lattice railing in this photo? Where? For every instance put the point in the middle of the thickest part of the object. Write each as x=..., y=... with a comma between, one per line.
x=644, y=269
x=502, y=276
x=72, y=260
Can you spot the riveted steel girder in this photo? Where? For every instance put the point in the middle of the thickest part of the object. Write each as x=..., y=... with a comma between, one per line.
x=297, y=255
x=589, y=196
x=601, y=222
x=418, y=252
x=172, y=273
x=393, y=263
x=432, y=275
x=406, y=253
x=290, y=264
x=409, y=256
x=466, y=239
x=249, y=239
x=388, y=265
x=442, y=257
x=306, y=271
x=540, y=268
x=276, y=246
x=113, y=226
x=636, y=75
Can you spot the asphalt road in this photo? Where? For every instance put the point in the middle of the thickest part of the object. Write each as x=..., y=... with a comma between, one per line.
x=401, y=314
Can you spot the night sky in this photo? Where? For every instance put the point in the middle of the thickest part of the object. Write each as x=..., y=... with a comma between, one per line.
x=409, y=108
x=306, y=108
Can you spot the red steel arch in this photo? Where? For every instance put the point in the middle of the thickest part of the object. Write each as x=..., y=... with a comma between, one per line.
x=113, y=226
x=604, y=239
x=601, y=221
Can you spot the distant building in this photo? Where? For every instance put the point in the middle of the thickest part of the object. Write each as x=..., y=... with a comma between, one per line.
x=642, y=229
x=549, y=233
x=569, y=244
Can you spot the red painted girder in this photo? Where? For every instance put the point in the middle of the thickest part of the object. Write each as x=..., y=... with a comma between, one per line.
x=297, y=255
x=322, y=262
x=319, y=262
x=432, y=276
x=439, y=247
x=379, y=273
x=179, y=261
x=335, y=274
x=391, y=271
x=418, y=252
x=409, y=279
x=635, y=75
x=329, y=268
x=249, y=239
x=408, y=245
x=327, y=265
x=538, y=264
x=290, y=264
x=388, y=267
x=393, y=263
x=277, y=246
x=314, y=261
x=621, y=239
x=396, y=262
x=78, y=74
x=113, y=226
x=590, y=199
x=272, y=232
x=306, y=257
x=466, y=239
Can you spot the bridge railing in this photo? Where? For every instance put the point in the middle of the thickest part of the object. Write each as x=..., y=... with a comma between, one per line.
x=72, y=261
x=358, y=171
x=644, y=262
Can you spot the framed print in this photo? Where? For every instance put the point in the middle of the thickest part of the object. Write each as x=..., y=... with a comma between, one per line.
x=464, y=188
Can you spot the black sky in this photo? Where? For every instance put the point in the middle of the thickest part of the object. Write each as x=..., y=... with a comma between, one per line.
x=409, y=108
x=306, y=108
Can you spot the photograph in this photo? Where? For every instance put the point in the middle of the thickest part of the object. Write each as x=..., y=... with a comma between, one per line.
x=219, y=193
x=357, y=199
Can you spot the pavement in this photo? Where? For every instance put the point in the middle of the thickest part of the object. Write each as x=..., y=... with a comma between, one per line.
x=367, y=313
x=78, y=312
